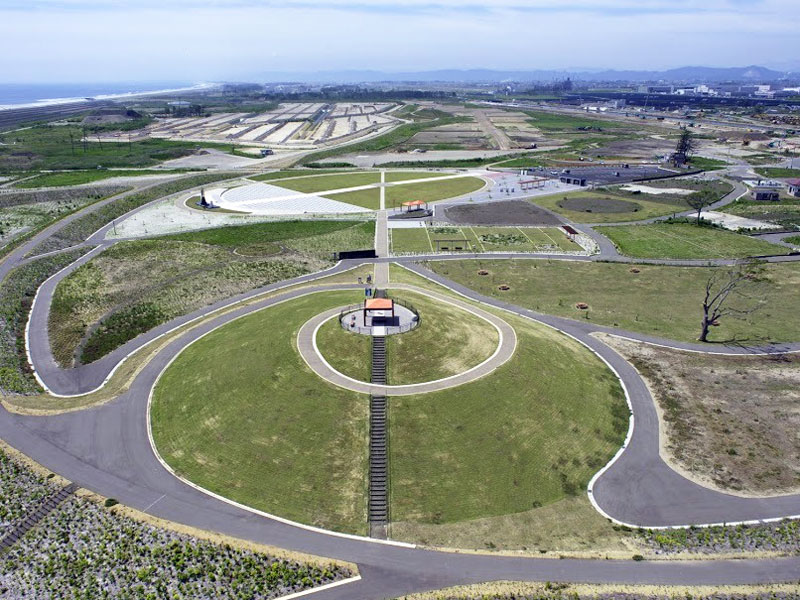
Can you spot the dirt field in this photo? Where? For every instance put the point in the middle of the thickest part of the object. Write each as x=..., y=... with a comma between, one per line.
x=645, y=149
x=730, y=422
x=512, y=212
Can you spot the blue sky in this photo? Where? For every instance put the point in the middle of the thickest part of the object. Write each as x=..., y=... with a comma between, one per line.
x=194, y=40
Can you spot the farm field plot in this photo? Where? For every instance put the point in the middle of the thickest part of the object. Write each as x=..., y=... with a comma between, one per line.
x=239, y=413
x=657, y=300
x=480, y=239
x=518, y=440
x=685, y=240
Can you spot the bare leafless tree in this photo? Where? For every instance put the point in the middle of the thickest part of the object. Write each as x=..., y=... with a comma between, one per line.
x=700, y=200
x=723, y=286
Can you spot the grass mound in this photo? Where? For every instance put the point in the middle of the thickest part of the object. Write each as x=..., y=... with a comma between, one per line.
x=239, y=413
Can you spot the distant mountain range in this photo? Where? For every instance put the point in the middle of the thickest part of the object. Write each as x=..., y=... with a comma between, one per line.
x=683, y=74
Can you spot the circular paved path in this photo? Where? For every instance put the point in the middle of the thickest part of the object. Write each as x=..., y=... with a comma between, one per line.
x=507, y=343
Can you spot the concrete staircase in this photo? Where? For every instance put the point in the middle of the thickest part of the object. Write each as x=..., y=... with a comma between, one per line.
x=378, y=510
x=44, y=508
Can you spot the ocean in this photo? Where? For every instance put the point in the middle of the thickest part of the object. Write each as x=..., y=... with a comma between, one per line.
x=27, y=93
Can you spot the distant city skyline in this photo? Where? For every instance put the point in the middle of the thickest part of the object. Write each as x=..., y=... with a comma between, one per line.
x=212, y=40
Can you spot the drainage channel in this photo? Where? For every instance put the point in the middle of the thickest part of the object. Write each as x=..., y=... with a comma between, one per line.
x=378, y=513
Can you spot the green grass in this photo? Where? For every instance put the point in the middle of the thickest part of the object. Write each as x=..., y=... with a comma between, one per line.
x=240, y=414
x=67, y=178
x=292, y=173
x=394, y=176
x=49, y=147
x=349, y=353
x=685, y=240
x=432, y=191
x=707, y=164
x=370, y=198
x=794, y=239
x=448, y=340
x=329, y=182
x=448, y=164
x=244, y=237
x=658, y=300
x=530, y=434
x=778, y=173
x=785, y=213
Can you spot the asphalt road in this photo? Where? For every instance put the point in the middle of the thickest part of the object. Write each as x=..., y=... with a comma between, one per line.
x=107, y=449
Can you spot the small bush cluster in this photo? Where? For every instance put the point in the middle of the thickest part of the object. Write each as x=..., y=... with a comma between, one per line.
x=503, y=239
x=21, y=489
x=783, y=536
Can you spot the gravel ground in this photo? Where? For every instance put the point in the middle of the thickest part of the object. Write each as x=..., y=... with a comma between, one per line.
x=512, y=212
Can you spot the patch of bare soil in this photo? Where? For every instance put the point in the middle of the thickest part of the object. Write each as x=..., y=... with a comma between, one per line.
x=729, y=422
x=510, y=212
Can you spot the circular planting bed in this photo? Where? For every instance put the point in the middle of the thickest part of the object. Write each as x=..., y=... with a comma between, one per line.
x=448, y=340
x=598, y=205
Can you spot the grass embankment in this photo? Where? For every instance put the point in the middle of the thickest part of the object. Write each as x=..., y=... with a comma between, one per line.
x=657, y=300
x=329, y=182
x=60, y=147
x=292, y=173
x=729, y=419
x=686, y=240
x=77, y=231
x=137, y=285
x=448, y=340
x=16, y=296
x=521, y=440
x=239, y=413
x=68, y=178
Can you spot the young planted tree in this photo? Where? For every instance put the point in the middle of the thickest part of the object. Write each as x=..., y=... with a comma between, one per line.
x=731, y=292
x=700, y=200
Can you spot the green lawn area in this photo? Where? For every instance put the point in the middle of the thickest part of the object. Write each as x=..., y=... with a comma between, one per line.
x=394, y=176
x=794, y=239
x=606, y=207
x=240, y=414
x=480, y=239
x=778, y=172
x=370, y=198
x=707, y=164
x=448, y=340
x=66, y=178
x=685, y=240
x=292, y=173
x=349, y=353
x=432, y=191
x=657, y=300
x=530, y=434
x=322, y=183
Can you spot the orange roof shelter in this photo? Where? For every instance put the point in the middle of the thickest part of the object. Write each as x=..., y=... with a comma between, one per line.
x=414, y=205
x=379, y=305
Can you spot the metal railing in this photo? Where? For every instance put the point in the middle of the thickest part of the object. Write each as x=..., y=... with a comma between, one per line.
x=390, y=329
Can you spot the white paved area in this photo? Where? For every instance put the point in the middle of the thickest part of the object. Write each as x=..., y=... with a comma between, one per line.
x=266, y=199
x=646, y=189
x=733, y=222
